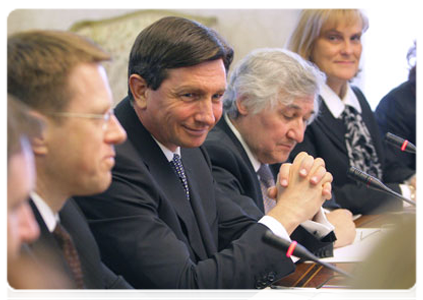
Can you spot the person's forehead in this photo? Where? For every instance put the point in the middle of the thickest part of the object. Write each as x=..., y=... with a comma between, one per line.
x=214, y=70
x=89, y=87
x=341, y=24
x=304, y=104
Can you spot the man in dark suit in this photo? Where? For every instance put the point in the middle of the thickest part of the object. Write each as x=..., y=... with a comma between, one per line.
x=59, y=75
x=164, y=223
x=270, y=99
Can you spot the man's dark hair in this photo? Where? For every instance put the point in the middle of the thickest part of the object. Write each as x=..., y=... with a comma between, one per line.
x=174, y=42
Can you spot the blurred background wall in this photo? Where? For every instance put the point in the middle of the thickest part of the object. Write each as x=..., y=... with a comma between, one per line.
x=384, y=65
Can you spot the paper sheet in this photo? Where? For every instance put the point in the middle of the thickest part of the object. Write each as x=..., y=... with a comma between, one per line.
x=365, y=240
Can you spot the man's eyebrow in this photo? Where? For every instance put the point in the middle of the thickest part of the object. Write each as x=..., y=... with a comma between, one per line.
x=297, y=107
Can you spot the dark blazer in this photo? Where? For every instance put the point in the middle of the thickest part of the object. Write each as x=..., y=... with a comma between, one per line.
x=396, y=113
x=95, y=274
x=325, y=138
x=237, y=178
x=148, y=231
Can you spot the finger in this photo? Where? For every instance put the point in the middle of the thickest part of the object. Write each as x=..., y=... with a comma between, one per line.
x=306, y=165
x=283, y=176
x=328, y=177
x=317, y=175
x=327, y=190
x=272, y=192
x=317, y=163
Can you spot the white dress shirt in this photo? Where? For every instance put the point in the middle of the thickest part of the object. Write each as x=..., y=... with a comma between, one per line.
x=49, y=217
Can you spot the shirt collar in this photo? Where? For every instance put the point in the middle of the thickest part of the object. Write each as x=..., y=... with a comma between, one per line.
x=335, y=104
x=50, y=218
x=256, y=164
x=169, y=154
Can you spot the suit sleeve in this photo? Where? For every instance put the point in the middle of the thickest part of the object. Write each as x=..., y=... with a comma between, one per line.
x=396, y=113
x=136, y=242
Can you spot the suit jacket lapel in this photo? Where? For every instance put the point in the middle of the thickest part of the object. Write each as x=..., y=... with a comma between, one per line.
x=237, y=146
x=201, y=204
x=334, y=128
x=161, y=171
x=46, y=244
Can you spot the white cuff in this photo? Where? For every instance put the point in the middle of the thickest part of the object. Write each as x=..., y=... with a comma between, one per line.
x=320, y=227
x=406, y=192
x=276, y=227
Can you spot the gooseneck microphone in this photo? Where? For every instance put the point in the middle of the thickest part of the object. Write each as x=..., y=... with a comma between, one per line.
x=293, y=248
x=403, y=144
x=374, y=183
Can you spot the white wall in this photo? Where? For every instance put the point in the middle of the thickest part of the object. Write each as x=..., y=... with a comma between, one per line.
x=391, y=33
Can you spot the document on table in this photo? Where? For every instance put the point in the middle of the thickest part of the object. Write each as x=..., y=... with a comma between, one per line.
x=323, y=294
x=365, y=240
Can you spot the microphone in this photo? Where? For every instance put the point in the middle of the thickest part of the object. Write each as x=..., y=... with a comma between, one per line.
x=297, y=250
x=400, y=143
x=374, y=183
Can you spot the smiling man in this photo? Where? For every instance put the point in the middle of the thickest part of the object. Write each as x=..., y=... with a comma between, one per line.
x=164, y=223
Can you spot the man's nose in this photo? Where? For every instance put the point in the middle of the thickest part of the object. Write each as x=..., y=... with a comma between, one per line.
x=115, y=134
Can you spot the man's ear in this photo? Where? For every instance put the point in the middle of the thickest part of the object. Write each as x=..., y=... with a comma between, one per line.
x=39, y=142
x=242, y=110
x=138, y=87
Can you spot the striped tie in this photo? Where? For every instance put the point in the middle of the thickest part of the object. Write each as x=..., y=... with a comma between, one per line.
x=266, y=181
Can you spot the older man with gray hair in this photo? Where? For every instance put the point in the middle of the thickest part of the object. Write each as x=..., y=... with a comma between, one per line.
x=270, y=99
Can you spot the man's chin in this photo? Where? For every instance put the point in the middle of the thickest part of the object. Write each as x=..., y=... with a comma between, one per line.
x=193, y=143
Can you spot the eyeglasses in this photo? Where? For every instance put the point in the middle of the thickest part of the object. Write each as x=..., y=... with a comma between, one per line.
x=105, y=117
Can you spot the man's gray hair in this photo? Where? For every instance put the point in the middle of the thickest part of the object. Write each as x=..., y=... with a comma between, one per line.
x=269, y=76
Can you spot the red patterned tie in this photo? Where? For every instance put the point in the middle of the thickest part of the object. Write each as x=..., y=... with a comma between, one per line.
x=69, y=251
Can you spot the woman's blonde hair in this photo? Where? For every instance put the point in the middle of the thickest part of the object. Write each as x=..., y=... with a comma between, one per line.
x=311, y=22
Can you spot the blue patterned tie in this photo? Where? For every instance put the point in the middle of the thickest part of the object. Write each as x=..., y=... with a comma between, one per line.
x=266, y=181
x=178, y=168
x=361, y=151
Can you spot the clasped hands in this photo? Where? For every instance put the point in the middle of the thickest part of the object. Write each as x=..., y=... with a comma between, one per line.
x=301, y=189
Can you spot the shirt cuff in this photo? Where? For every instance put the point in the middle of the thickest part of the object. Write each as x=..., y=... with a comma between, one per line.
x=320, y=227
x=277, y=228
x=406, y=192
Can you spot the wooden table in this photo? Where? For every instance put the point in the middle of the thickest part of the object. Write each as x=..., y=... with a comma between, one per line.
x=316, y=276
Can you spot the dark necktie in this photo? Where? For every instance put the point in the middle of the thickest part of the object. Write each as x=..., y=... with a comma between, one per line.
x=266, y=181
x=361, y=151
x=178, y=168
x=65, y=242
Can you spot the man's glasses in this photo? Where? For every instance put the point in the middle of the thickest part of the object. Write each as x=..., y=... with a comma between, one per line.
x=104, y=117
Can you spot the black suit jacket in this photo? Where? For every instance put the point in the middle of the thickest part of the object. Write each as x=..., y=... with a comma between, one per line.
x=237, y=178
x=95, y=274
x=325, y=138
x=149, y=232
x=396, y=113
